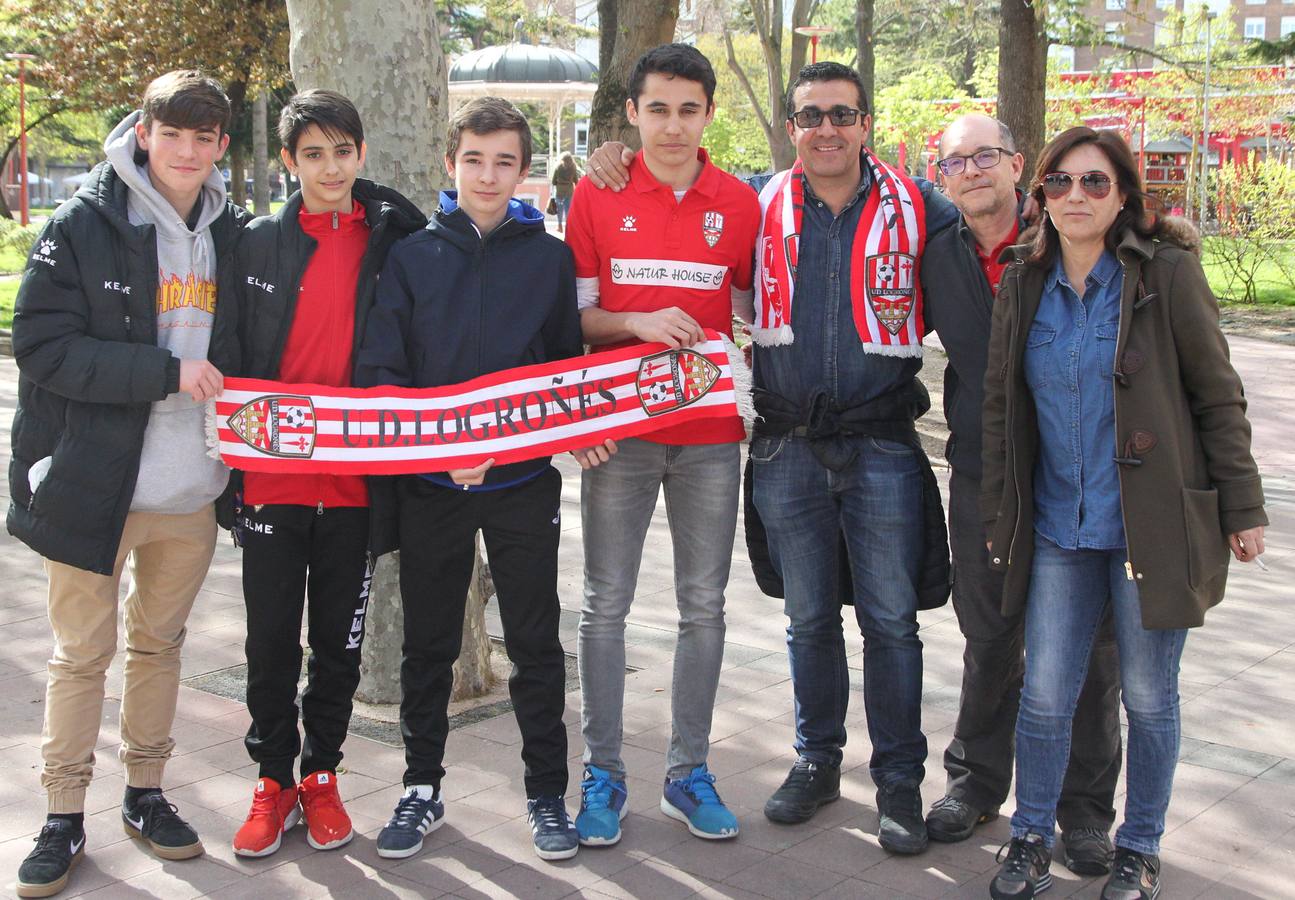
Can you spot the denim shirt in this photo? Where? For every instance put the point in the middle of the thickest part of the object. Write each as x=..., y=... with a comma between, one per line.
x=826, y=363
x=1069, y=361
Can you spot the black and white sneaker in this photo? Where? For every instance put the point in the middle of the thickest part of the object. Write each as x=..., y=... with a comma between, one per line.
x=59, y=847
x=1025, y=870
x=551, y=828
x=1135, y=876
x=156, y=822
x=418, y=813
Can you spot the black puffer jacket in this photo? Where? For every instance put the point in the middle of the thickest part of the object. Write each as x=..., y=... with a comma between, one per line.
x=85, y=339
x=271, y=260
x=454, y=305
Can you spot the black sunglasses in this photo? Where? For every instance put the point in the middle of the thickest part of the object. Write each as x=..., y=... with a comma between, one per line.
x=1057, y=184
x=984, y=159
x=812, y=116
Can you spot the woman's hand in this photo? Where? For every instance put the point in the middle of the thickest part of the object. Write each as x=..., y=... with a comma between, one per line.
x=1247, y=545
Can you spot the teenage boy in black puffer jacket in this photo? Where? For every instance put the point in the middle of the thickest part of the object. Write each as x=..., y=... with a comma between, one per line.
x=307, y=277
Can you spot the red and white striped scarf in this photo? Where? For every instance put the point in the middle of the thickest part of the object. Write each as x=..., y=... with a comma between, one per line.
x=885, y=289
x=515, y=415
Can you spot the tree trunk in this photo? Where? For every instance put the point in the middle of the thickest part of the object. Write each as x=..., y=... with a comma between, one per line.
x=1022, y=75
x=403, y=104
x=260, y=155
x=864, y=16
x=237, y=173
x=626, y=30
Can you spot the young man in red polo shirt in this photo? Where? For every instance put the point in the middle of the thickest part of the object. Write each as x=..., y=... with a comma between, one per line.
x=659, y=262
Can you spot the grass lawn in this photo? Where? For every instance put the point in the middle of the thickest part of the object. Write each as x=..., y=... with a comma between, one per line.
x=8, y=291
x=1271, y=285
x=12, y=261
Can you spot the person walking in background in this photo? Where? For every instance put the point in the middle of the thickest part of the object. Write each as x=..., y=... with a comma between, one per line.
x=564, y=179
x=1117, y=472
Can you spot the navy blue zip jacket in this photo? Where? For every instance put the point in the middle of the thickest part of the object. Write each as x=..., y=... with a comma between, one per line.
x=453, y=305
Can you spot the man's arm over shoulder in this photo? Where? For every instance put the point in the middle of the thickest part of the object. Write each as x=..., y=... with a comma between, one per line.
x=52, y=339
x=383, y=357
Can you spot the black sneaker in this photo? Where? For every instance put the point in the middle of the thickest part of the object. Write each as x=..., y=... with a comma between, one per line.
x=59, y=847
x=154, y=821
x=551, y=828
x=1024, y=872
x=807, y=787
x=414, y=817
x=902, y=829
x=1136, y=877
x=1088, y=851
x=951, y=820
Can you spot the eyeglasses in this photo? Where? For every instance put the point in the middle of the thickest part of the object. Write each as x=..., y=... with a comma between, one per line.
x=984, y=159
x=1058, y=184
x=812, y=116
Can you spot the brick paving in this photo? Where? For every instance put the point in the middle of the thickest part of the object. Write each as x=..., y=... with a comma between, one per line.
x=1232, y=819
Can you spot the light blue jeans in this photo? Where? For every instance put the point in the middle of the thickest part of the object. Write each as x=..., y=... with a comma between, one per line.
x=1069, y=590
x=617, y=499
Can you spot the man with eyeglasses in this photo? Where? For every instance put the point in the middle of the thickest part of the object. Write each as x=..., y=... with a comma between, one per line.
x=980, y=169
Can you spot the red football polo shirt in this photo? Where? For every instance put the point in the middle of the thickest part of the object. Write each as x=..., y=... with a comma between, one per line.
x=991, y=265
x=650, y=251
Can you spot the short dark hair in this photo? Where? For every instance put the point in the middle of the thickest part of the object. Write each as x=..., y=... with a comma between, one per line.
x=486, y=115
x=673, y=61
x=186, y=98
x=1140, y=212
x=826, y=71
x=335, y=115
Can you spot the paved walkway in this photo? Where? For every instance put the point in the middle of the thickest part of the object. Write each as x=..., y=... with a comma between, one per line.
x=1232, y=820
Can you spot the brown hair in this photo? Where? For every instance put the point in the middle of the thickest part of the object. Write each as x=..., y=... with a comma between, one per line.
x=186, y=98
x=486, y=115
x=1140, y=212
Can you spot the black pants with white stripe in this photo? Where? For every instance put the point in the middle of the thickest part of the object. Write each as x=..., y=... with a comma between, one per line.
x=295, y=559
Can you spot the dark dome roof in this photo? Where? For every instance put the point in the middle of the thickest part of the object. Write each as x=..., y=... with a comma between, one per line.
x=523, y=64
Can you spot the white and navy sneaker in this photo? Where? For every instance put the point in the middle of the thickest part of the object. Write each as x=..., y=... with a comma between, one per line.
x=551, y=828
x=418, y=813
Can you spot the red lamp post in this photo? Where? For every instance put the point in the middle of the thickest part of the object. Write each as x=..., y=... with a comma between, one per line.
x=22, y=133
x=814, y=32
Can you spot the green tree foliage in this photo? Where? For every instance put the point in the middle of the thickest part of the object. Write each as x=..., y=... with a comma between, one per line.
x=735, y=139
x=1256, y=212
x=909, y=111
x=472, y=26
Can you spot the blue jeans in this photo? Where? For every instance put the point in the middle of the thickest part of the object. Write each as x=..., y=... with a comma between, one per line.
x=1069, y=591
x=617, y=499
x=876, y=501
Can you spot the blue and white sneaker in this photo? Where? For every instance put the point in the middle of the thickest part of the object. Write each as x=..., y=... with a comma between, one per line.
x=694, y=801
x=554, y=835
x=419, y=812
x=602, y=806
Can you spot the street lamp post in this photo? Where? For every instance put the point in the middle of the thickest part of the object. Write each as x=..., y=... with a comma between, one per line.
x=22, y=133
x=1210, y=16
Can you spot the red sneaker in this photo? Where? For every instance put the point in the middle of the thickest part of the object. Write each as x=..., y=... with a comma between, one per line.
x=274, y=811
x=326, y=818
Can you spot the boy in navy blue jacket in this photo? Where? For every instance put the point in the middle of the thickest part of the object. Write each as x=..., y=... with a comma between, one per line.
x=482, y=289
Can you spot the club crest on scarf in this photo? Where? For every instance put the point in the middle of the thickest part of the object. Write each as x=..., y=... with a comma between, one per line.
x=674, y=379
x=889, y=284
x=712, y=226
x=279, y=425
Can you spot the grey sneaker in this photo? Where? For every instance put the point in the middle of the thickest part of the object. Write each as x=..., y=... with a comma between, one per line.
x=1136, y=877
x=1024, y=871
x=552, y=829
x=1088, y=851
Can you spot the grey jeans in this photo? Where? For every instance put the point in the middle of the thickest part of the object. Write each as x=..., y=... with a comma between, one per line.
x=617, y=499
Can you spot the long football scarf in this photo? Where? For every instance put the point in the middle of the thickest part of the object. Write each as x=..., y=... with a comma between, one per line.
x=515, y=415
x=885, y=291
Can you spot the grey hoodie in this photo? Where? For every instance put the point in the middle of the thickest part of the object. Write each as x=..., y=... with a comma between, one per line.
x=175, y=473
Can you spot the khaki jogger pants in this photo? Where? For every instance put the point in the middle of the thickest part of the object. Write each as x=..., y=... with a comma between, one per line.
x=169, y=556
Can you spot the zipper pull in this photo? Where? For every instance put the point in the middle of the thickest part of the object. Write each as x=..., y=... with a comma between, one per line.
x=1128, y=570
x=334, y=220
x=319, y=510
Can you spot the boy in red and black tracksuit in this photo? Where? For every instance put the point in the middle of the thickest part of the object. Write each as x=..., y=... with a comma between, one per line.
x=308, y=276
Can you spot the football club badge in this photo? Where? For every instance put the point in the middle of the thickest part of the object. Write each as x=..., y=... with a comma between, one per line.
x=889, y=281
x=674, y=379
x=279, y=425
x=712, y=227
